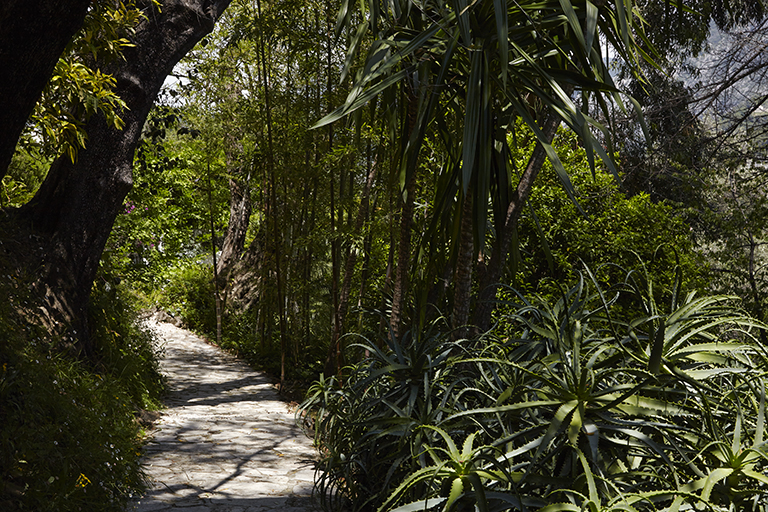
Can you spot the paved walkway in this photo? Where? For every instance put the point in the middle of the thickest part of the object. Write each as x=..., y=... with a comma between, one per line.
x=226, y=442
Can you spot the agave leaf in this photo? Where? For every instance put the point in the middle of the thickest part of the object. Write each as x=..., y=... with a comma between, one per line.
x=561, y=414
x=707, y=483
x=535, y=404
x=467, y=448
x=457, y=489
x=706, y=374
x=643, y=438
x=452, y=450
x=702, y=328
x=561, y=507
x=477, y=485
x=412, y=479
x=715, y=347
x=760, y=426
x=417, y=506
x=640, y=405
x=519, y=502
x=519, y=451
x=713, y=478
x=593, y=495
x=575, y=426
x=761, y=477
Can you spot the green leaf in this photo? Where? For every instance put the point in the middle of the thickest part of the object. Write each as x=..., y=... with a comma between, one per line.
x=472, y=117
x=416, y=506
x=457, y=489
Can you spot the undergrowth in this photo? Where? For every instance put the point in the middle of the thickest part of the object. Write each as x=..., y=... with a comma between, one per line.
x=569, y=405
x=69, y=439
x=187, y=294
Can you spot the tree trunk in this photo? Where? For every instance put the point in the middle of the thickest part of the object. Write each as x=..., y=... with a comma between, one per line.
x=349, y=267
x=33, y=35
x=490, y=274
x=75, y=207
x=237, y=228
x=406, y=223
x=463, y=277
x=239, y=193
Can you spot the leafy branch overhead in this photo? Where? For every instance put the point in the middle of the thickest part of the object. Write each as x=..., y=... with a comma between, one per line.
x=79, y=88
x=492, y=62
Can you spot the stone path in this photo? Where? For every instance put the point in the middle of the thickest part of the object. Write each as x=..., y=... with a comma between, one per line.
x=226, y=442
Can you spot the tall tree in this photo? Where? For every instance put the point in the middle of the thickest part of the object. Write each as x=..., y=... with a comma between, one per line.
x=74, y=209
x=481, y=66
x=33, y=35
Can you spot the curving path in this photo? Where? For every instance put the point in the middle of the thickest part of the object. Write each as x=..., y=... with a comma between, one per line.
x=226, y=442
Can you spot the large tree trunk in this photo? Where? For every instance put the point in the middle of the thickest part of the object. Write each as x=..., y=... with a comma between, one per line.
x=77, y=204
x=33, y=34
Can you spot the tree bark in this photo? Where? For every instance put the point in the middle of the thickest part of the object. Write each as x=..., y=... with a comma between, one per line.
x=33, y=35
x=463, y=277
x=239, y=217
x=76, y=205
x=490, y=274
x=406, y=223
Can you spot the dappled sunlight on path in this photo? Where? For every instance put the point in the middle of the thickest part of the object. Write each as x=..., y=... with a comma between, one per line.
x=226, y=442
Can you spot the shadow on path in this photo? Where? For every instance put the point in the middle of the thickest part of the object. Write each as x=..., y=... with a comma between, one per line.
x=226, y=442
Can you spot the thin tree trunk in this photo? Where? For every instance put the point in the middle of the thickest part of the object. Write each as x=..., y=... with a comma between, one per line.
x=216, y=288
x=239, y=195
x=490, y=274
x=349, y=264
x=400, y=290
x=463, y=277
x=334, y=359
x=388, y=286
x=273, y=201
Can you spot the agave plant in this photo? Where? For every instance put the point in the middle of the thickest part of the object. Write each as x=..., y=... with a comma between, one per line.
x=371, y=428
x=572, y=407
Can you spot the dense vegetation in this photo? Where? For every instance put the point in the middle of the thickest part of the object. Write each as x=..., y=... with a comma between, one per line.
x=565, y=406
x=70, y=437
x=520, y=244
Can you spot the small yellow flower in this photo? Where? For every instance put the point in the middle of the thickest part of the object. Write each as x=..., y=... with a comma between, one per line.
x=82, y=481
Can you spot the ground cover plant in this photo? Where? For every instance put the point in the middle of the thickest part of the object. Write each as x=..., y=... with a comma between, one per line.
x=69, y=438
x=568, y=407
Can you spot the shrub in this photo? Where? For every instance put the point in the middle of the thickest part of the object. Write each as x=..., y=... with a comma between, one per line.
x=570, y=407
x=69, y=440
x=187, y=293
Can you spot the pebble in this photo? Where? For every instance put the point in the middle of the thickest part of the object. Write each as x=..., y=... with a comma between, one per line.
x=226, y=442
